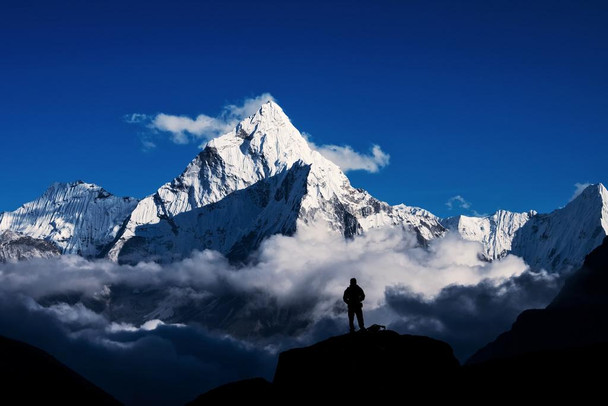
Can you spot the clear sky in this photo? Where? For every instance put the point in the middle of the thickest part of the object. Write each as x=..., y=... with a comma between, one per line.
x=482, y=104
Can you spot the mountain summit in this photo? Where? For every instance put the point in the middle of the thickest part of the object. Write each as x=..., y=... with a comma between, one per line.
x=260, y=179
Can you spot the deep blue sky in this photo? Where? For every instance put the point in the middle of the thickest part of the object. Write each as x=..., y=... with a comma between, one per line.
x=501, y=102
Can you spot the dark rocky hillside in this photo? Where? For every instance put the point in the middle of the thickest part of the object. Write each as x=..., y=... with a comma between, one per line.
x=30, y=376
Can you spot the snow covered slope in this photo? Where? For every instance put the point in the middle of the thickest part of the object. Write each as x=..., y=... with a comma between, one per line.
x=79, y=218
x=282, y=183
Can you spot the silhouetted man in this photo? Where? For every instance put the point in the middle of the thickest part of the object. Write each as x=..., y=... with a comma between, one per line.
x=353, y=297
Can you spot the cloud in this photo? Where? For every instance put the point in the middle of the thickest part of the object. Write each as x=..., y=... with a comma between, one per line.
x=458, y=201
x=162, y=334
x=578, y=189
x=349, y=160
x=135, y=118
x=183, y=129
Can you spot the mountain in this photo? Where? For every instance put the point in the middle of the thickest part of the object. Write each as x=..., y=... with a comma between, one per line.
x=556, y=241
x=29, y=375
x=258, y=180
x=17, y=247
x=78, y=218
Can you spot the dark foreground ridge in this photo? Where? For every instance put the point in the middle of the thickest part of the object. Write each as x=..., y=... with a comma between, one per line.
x=351, y=367
x=30, y=376
x=369, y=367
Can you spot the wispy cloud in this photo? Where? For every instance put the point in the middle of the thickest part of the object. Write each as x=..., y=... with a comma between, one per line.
x=459, y=202
x=184, y=129
x=578, y=189
x=350, y=160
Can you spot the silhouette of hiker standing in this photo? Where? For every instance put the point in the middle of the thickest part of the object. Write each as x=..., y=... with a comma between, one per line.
x=353, y=297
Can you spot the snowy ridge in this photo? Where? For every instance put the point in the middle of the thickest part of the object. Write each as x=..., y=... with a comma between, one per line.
x=494, y=232
x=78, y=217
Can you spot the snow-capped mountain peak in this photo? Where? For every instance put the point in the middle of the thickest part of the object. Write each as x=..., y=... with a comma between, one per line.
x=263, y=144
x=264, y=158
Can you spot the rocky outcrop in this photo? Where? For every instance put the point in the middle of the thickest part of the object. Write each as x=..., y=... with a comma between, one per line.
x=18, y=247
x=363, y=366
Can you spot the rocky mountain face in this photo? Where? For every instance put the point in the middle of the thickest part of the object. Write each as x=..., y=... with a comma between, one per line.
x=263, y=178
x=17, y=247
x=78, y=218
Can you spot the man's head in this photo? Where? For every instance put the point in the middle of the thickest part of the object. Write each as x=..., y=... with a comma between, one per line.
x=353, y=281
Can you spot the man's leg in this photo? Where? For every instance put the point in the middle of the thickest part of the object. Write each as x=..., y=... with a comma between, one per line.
x=360, y=319
x=351, y=319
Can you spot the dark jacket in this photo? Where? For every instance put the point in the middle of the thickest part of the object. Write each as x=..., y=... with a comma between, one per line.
x=353, y=296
